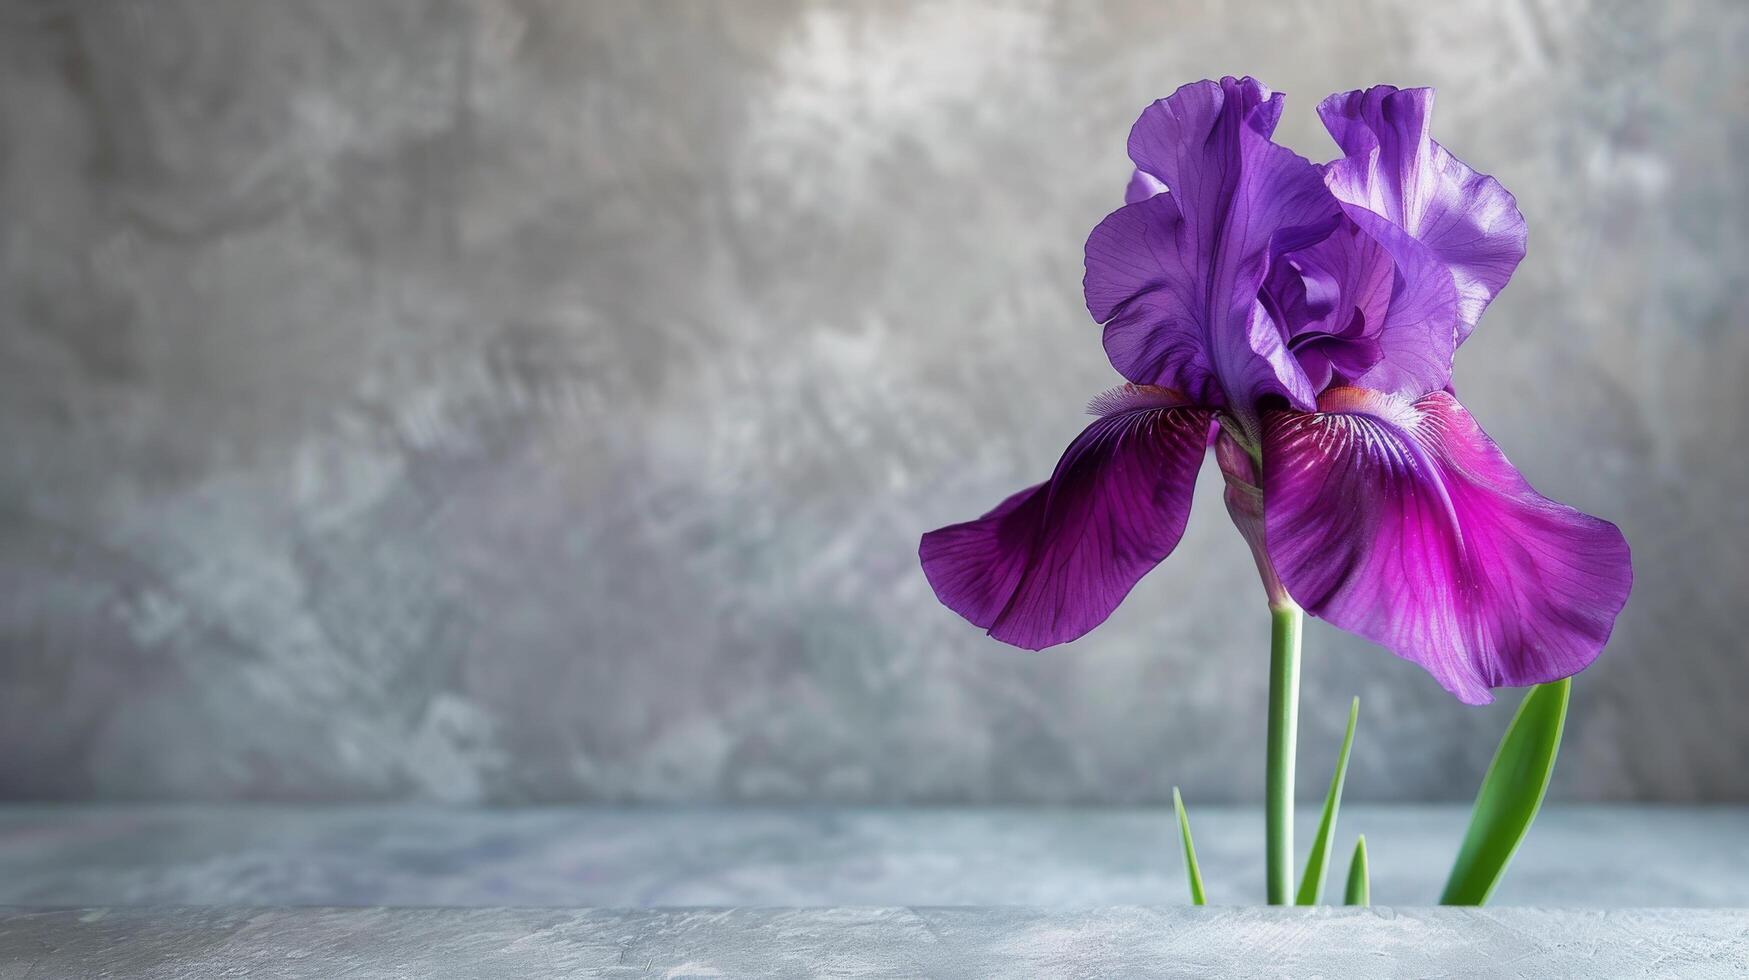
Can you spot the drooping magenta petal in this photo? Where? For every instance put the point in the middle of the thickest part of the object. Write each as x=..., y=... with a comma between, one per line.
x=1403, y=522
x=1392, y=167
x=1175, y=276
x=1052, y=562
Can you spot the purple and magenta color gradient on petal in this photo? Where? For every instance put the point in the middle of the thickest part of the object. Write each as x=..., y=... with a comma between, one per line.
x=1052, y=562
x=1311, y=312
x=1402, y=522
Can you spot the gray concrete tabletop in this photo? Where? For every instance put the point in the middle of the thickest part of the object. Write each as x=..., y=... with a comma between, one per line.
x=191, y=892
x=51, y=855
x=355, y=943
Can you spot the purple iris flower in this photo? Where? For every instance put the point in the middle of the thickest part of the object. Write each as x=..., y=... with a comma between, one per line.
x=1304, y=317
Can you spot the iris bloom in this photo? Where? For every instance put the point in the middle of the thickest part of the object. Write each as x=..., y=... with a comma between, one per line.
x=1303, y=317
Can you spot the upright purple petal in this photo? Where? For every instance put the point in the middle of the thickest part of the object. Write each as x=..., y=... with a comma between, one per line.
x=1138, y=285
x=1416, y=332
x=1368, y=306
x=1053, y=561
x=1331, y=299
x=1142, y=186
x=1393, y=169
x=1175, y=276
x=1403, y=522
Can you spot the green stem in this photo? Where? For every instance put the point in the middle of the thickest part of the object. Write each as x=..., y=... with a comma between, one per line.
x=1284, y=709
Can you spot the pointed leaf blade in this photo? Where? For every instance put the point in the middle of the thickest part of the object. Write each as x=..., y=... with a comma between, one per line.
x=1359, y=890
x=1318, y=861
x=1190, y=867
x=1511, y=794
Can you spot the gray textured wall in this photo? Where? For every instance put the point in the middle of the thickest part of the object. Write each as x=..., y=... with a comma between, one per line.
x=512, y=400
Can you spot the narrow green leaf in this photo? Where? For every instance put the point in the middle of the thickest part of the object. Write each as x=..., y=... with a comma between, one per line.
x=1511, y=794
x=1318, y=861
x=1359, y=890
x=1195, y=873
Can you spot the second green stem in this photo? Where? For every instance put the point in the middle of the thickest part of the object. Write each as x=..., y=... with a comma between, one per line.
x=1284, y=719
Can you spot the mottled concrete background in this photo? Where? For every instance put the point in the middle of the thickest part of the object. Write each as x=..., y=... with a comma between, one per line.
x=518, y=401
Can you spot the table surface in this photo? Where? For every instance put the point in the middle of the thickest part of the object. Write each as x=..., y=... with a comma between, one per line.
x=203, y=891
x=359, y=943
x=53, y=855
